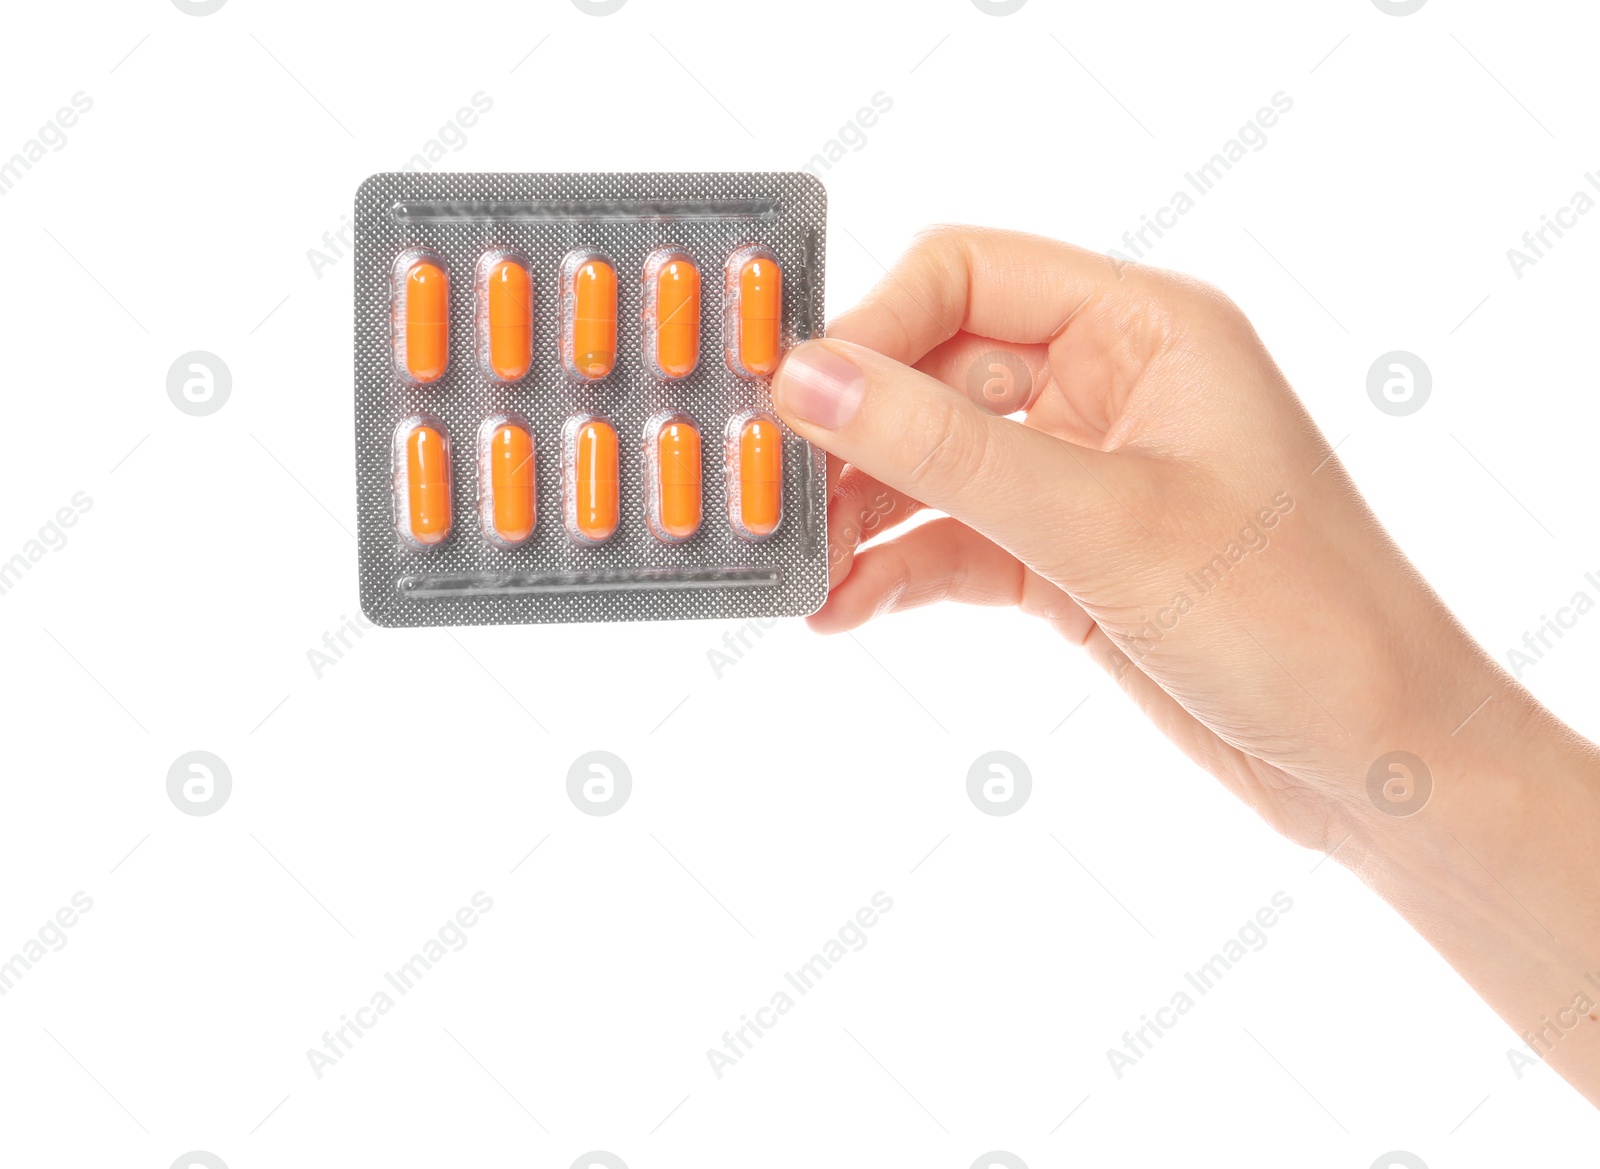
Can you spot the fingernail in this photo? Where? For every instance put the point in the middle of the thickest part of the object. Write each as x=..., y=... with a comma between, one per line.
x=820, y=387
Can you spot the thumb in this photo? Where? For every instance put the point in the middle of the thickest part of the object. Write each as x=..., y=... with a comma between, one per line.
x=1040, y=498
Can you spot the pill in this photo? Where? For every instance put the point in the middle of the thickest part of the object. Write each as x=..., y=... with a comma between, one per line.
x=591, y=300
x=506, y=481
x=510, y=311
x=591, y=479
x=674, y=311
x=425, y=321
x=426, y=453
x=756, y=476
x=755, y=297
x=672, y=457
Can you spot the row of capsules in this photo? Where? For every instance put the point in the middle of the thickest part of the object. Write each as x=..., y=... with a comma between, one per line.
x=507, y=507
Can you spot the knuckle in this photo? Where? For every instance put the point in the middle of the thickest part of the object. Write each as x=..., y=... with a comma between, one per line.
x=956, y=448
x=1200, y=296
x=941, y=248
x=938, y=236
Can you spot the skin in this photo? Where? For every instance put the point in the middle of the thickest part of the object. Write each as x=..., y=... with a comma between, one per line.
x=1157, y=432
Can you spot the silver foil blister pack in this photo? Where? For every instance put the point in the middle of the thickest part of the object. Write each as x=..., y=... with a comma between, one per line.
x=563, y=407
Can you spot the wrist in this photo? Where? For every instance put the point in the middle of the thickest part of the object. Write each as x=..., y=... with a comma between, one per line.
x=1498, y=779
x=1442, y=742
x=1495, y=867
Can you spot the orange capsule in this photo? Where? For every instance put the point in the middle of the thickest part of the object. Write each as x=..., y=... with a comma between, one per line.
x=506, y=501
x=754, y=295
x=505, y=291
x=590, y=475
x=589, y=312
x=672, y=312
x=422, y=319
x=422, y=463
x=672, y=462
x=755, y=475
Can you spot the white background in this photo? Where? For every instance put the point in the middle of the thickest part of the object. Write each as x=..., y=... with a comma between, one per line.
x=371, y=802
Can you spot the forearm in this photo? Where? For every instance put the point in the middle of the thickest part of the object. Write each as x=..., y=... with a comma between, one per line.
x=1500, y=872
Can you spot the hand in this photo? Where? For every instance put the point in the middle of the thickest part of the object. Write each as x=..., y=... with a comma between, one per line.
x=1168, y=503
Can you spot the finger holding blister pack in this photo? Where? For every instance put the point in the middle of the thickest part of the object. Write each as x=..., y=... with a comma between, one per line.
x=489, y=314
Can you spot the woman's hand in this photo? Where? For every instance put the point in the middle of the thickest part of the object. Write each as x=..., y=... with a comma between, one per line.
x=1168, y=503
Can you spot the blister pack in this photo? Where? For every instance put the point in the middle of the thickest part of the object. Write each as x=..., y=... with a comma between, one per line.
x=563, y=407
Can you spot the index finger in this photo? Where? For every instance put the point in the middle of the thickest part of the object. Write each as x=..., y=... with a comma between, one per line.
x=1005, y=285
